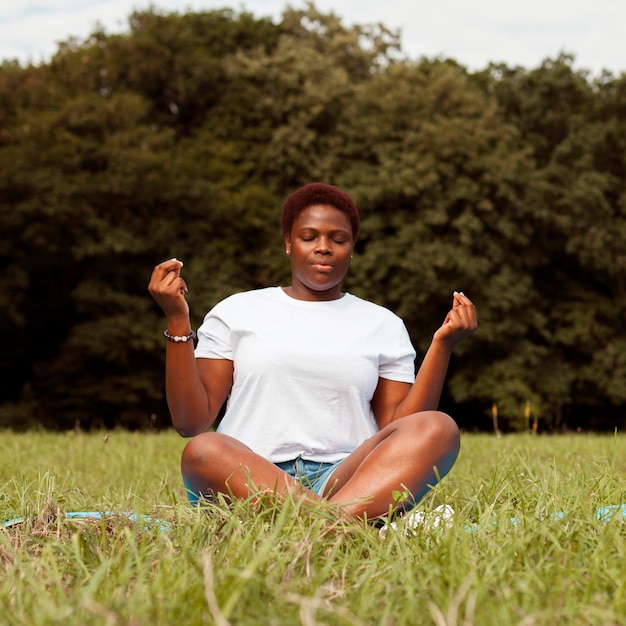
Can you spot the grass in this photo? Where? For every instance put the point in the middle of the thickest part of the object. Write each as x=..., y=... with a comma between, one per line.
x=525, y=548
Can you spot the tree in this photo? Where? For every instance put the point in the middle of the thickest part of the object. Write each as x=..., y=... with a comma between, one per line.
x=94, y=186
x=183, y=136
x=575, y=128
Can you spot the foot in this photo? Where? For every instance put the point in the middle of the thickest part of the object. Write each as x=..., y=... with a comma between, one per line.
x=440, y=516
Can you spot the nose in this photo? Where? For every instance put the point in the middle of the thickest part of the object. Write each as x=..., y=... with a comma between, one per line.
x=323, y=246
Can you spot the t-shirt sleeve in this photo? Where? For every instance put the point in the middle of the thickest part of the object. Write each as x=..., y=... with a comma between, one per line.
x=398, y=361
x=214, y=336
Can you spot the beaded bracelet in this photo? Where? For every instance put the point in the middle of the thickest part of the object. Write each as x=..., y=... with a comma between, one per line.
x=179, y=338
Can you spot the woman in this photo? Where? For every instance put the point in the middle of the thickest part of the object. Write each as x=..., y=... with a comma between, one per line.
x=322, y=397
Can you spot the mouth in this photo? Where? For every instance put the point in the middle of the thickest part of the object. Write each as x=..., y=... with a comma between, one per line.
x=322, y=266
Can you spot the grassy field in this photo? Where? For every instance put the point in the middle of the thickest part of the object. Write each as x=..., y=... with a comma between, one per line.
x=526, y=546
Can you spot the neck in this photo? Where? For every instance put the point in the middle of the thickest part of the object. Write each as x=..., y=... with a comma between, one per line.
x=310, y=295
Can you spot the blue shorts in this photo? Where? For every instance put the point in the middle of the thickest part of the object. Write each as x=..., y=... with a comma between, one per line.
x=313, y=475
x=310, y=474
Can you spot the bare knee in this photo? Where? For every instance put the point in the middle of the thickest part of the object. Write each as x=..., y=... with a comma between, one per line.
x=202, y=451
x=432, y=429
x=444, y=428
x=437, y=443
x=430, y=438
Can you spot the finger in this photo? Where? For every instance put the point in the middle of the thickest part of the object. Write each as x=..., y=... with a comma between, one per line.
x=172, y=287
x=171, y=271
x=172, y=265
x=462, y=317
x=461, y=299
x=454, y=318
x=462, y=302
x=161, y=270
x=456, y=299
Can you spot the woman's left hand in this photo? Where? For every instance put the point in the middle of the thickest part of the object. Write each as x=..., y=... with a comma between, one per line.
x=460, y=321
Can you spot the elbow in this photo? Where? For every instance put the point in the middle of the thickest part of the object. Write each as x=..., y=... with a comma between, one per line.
x=189, y=421
x=187, y=431
x=188, y=428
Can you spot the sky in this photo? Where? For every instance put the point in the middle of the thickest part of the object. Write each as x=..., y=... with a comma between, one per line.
x=473, y=32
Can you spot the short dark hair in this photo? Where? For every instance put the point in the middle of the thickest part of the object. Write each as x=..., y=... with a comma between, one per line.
x=319, y=193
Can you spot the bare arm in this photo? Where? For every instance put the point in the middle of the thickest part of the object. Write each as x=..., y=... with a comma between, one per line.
x=195, y=388
x=393, y=400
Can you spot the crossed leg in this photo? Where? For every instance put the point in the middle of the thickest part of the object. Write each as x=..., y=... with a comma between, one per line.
x=216, y=463
x=411, y=453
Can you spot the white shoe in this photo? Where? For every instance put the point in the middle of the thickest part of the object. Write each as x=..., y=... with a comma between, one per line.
x=440, y=516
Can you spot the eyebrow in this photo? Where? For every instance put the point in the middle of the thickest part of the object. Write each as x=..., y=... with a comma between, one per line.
x=314, y=229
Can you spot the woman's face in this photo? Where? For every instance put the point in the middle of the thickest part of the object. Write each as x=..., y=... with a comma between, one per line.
x=320, y=248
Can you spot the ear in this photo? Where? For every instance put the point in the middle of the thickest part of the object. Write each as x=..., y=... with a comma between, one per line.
x=287, y=241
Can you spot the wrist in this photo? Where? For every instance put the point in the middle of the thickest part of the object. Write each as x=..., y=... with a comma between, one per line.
x=442, y=345
x=178, y=325
x=180, y=338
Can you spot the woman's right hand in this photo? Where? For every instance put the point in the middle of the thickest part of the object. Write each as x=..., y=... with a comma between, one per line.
x=196, y=389
x=168, y=288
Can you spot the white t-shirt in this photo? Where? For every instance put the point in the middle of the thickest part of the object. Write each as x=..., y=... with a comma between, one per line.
x=304, y=372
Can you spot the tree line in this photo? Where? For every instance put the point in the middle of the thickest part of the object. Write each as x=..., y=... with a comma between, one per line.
x=182, y=136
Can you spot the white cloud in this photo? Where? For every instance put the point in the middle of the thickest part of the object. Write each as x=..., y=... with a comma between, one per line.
x=35, y=30
x=474, y=32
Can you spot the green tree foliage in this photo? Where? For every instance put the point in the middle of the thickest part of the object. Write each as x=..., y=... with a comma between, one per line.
x=96, y=187
x=182, y=137
x=575, y=128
